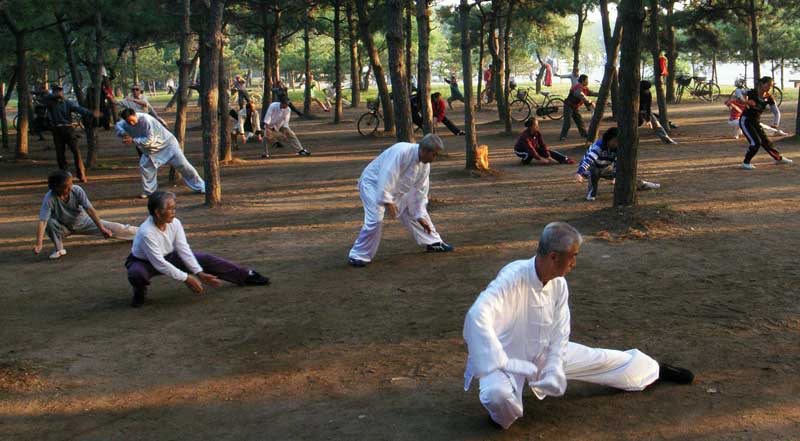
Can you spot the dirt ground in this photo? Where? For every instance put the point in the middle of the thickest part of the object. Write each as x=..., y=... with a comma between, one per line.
x=704, y=274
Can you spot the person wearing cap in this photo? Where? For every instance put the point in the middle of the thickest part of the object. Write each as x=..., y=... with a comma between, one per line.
x=59, y=114
x=396, y=183
x=518, y=334
x=159, y=147
x=139, y=103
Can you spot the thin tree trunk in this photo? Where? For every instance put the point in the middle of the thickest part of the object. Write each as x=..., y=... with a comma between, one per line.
x=337, y=56
x=498, y=62
x=632, y=13
x=307, y=62
x=751, y=10
x=11, y=84
x=74, y=72
x=407, y=32
x=540, y=75
x=671, y=51
x=23, y=96
x=266, y=28
x=91, y=131
x=275, y=41
x=400, y=97
x=481, y=53
x=607, y=86
x=583, y=13
x=423, y=64
x=797, y=120
x=209, y=79
x=135, y=65
x=225, y=120
x=507, y=71
x=471, y=138
x=655, y=49
x=375, y=63
x=182, y=94
x=355, y=68
x=3, y=117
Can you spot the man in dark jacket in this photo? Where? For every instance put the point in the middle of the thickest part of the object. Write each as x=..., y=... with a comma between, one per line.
x=59, y=115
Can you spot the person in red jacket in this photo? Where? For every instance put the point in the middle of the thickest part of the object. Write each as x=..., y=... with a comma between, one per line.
x=437, y=103
x=662, y=65
x=578, y=95
x=531, y=147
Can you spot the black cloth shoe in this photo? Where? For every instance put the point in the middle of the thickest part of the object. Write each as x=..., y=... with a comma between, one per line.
x=304, y=153
x=138, y=301
x=494, y=423
x=440, y=247
x=358, y=263
x=255, y=278
x=674, y=374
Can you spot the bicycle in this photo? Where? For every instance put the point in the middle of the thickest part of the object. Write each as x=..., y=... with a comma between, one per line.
x=705, y=90
x=369, y=121
x=551, y=106
x=776, y=92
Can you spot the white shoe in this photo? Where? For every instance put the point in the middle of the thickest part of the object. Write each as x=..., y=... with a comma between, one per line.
x=58, y=253
x=781, y=133
x=647, y=185
x=736, y=137
x=784, y=160
x=589, y=197
x=143, y=196
x=747, y=166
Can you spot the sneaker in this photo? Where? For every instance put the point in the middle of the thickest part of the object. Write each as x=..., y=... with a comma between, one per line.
x=358, y=263
x=58, y=253
x=255, y=278
x=304, y=153
x=780, y=132
x=668, y=140
x=647, y=185
x=440, y=247
x=265, y=156
x=748, y=166
x=591, y=196
x=672, y=125
x=674, y=374
x=784, y=160
x=462, y=133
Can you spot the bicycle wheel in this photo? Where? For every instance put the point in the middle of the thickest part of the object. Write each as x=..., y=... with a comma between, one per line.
x=16, y=121
x=679, y=94
x=777, y=95
x=520, y=110
x=368, y=123
x=710, y=92
x=554, y=108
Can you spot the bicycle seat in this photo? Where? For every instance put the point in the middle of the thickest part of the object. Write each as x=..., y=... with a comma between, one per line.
x=544, y=93
x=699, y=78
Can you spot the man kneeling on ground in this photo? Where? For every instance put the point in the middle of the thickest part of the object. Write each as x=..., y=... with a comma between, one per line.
x=160, y=247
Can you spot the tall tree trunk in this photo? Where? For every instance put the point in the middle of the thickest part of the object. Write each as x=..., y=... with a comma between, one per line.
x=3, y=116
x=23, y=96
x=632, y=13
x=655, y=49
x=541, y=73
x=471, y=139
x=182, y=94
x=423, y=64
x=225, y=120
x=267, y=29
x=507, y=71
x=400, y=97
x=307, y=61
x=608, y=85
x=407, y=33
x=496, y=33
x=355, y=65
x=583, y=13
x=797, y=120
x=671, y=50
x=135, y=65
x=209, y=82
x=275, y=41
x=752, y=13
x=91, y=131
x=337, y=56
x=362, y=7
x=72, y=61
x=481, y=53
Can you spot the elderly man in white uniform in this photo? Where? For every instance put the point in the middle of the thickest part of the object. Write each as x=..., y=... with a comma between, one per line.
x=159, y=147
x=397, y=181
x=517, y=333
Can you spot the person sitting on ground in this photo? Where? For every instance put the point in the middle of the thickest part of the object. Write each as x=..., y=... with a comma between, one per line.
x=578, y=95
x=455, y=93
x=248, y=125
x=646, y=115
x=158, y=147
x=518, y=333
x=276, y=128
x=758, y=100
x=314, y=87
x=600, y=161
x=66, y=210
x=439, y=114
x=530, y=147
x=736, y=107
x=160, y=247
x=397, y=182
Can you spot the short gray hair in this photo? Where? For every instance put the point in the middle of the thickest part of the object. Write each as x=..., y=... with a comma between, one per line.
x=158, y=201
x=559, y=237
x=431, y=142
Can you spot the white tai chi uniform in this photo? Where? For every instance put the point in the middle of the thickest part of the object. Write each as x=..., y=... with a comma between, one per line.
x=159, y=147
x=396, y=176
x=516, y=318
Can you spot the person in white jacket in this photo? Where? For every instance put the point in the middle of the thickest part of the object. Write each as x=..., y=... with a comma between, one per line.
x=397, y=182
x=517, y=333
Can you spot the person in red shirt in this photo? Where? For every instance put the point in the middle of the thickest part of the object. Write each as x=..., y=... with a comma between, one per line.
x=578, y=95
x=437, y=103
x=737, y=106
x=487, y=79
x=531, y=147
x=662, y=65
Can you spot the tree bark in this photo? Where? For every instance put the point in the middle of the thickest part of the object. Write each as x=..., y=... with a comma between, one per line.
x=752, y=13
x=275, y=42
x=3, y=117
x=583, y=13
x=337, y=56
x=307, y=61
x=632, y=14
x=225, y=120
x=395, y=40
x=69, y=50
x=607, y=86
x=407, y=33
x=498, y=61
x=481, y=53
x=470, y=139
x=671, y=51
x=507, y=71
x=23, y=97
x=135, y=65
x=266, y=29
x=423, y=64
x=97, y=79
x=182, y=94
x=209, y=83
x=655, y=49
x=355, y=65
x=375, y=63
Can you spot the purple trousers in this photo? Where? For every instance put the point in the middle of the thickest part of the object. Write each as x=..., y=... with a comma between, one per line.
x=140, y=271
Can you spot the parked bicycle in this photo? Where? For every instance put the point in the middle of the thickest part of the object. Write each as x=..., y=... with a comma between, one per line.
x=776, y=92
x=369, y=121
x=551, y=106
x=705, y=90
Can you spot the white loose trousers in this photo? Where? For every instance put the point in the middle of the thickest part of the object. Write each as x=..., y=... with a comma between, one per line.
x=632, y=370
x=173, y=156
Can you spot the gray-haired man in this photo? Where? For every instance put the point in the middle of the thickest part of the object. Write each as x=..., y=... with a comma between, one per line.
x=397, y=182
x=517, y=332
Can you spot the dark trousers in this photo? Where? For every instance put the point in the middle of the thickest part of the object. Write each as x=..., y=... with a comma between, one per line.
x=575, y=114
x=243, y=98
x=597, y=173
x=757, y=138
x=527, y=156
x=449, y=124
x=140, y=271
x=64, y=137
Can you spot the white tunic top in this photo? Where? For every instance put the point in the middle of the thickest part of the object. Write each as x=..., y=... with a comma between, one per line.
x=516, y=317
x=397, y=176
x=152, y=244
x=276, y=118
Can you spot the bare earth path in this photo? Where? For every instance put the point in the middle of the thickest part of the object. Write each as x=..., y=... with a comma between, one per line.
x=330, y=352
